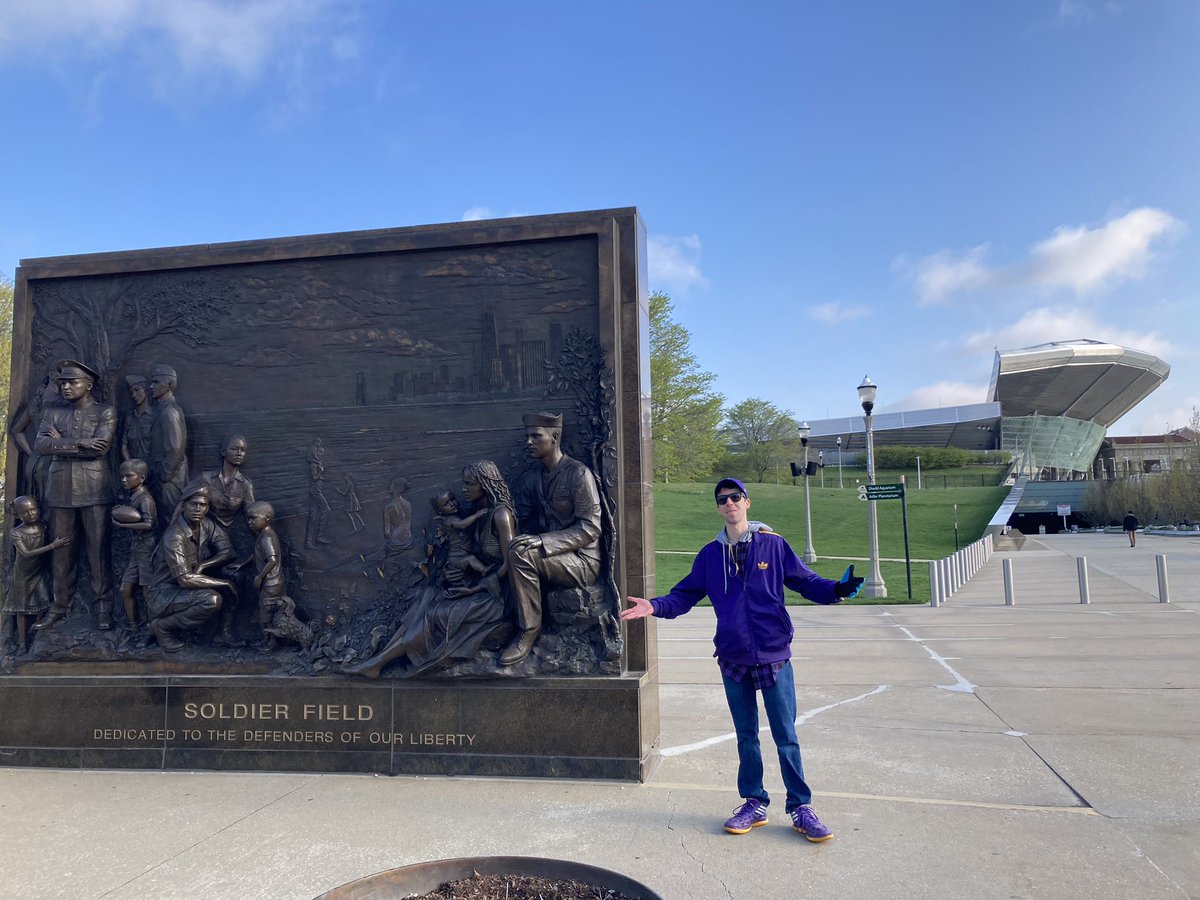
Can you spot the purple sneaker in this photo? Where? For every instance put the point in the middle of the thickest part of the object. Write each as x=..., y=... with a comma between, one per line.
x=749, y=815
x=805, y=821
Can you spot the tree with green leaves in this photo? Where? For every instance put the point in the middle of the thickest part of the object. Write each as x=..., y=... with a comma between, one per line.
x=685, y=412
x=760, y=434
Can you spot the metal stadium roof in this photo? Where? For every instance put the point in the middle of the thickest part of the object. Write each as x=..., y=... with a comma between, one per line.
x=1082, y=379
x=973, y=426
x=1088, y=380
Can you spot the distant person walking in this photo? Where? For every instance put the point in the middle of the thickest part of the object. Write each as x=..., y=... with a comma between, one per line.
x=744, y=571
x=1131, y=526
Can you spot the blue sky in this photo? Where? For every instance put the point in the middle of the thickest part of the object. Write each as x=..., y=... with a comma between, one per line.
x=830, y=189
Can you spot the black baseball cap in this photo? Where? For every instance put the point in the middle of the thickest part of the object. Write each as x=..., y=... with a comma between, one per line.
x=730, y=483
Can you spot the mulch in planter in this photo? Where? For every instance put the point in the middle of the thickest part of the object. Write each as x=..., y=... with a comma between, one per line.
x=519, y=887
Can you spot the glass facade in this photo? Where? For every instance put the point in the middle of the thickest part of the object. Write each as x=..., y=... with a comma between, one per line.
x=1051, y=442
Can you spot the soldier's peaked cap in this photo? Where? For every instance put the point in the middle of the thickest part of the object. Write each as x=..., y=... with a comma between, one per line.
x=542, y=420
x=196, y=489
x=73, y=368
x=163, y=370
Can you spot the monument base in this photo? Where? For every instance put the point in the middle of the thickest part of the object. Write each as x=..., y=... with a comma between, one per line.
x=537, y=727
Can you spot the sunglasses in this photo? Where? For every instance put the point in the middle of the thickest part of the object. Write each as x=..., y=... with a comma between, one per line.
x=736, y=497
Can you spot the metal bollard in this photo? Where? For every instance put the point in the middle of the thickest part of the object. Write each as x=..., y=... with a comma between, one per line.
x=1081, y=565
x=935, y=599
x=1009, y=596
x=944, y=578
x=1164, y=594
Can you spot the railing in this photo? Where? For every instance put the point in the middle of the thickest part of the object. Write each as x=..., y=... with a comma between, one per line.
x=950, y=573
x=930, y=480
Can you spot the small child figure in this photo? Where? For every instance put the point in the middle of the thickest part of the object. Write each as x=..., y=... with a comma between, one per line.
x=353, y=504
x=276, y=611
x=28, y=596
x=460, y=561
x=138, y=517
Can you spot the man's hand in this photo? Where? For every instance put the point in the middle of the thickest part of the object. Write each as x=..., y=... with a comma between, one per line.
x=526, y=542
x=640, y=609
x=849, y=584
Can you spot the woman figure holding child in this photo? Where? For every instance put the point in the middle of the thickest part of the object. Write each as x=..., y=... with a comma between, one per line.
x=454, y=620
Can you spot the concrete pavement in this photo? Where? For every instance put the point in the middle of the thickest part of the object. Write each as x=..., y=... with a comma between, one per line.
x=1045, y=750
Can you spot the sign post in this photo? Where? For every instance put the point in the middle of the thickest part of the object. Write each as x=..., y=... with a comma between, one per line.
x=873, y=492
x=1064, y=510
x=904, y=519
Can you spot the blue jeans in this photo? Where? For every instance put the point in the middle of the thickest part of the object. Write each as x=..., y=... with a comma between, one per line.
x=780, y=703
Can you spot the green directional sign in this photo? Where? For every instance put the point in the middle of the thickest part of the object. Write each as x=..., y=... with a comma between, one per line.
x=884, y=491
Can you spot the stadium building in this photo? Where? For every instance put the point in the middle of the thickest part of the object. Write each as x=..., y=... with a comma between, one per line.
x=1049, y=405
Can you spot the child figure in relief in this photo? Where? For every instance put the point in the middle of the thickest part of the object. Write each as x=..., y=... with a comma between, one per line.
x=463, y=569
x=29, y=595
x=137, y=517
x=276, y=611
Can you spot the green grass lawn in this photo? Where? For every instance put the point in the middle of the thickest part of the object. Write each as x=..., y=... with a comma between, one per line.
x=686, y=518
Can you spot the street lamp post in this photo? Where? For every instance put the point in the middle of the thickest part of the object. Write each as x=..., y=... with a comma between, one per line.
x=873, y=586
x=810, y=555
x=839, y=443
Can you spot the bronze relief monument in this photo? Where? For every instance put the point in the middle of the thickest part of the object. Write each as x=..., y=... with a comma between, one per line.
x=370, y=501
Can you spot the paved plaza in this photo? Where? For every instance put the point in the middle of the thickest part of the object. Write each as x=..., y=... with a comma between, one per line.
x=1044, y=750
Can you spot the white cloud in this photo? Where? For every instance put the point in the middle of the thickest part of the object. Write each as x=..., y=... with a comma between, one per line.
x=836, y=313
x=674, y=262
x=1073, y=9
x=942, y=393
x=1082, y=259
x=240, y=39
x=1159, y=413
x=1087, y=259
x=1043, y=325
x=942, y=275
x=475, y=213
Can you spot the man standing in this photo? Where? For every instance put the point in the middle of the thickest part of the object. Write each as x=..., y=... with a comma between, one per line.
x=181, y=596
x=77, y=436
x=135, y=442
x=744, y=571
x=566, y=553
x=1130, y=527
x=168, y=443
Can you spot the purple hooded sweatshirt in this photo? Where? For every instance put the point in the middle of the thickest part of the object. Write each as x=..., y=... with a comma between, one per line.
x=753, y=625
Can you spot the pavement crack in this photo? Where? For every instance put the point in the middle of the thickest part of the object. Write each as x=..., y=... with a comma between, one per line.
x=1141, y=854
x=1045, y=762
x=683, y=845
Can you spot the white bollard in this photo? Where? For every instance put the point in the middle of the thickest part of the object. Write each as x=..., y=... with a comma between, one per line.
x=1081, y=565
x=1164, y=594
x=935, y=599
x=1010, y=598
x=944, y=578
